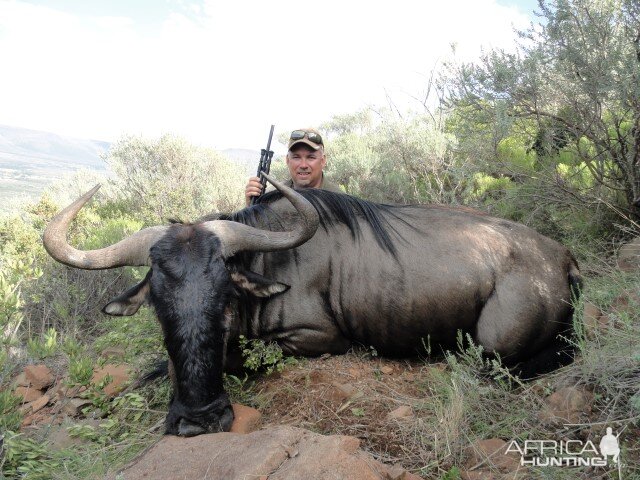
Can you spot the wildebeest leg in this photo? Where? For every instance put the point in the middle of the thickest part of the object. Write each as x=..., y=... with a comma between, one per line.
x=234, y=361
x=172, y=374
x=306, y=329
x=516, y=320
x=558, y=354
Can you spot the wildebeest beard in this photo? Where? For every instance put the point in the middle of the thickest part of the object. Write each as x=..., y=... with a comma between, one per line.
x=190, y=288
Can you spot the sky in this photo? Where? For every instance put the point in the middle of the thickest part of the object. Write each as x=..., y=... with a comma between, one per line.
x=221, y=72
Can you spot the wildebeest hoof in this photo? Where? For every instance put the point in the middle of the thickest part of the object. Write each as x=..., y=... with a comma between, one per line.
x=226, y=420
x=188, y=429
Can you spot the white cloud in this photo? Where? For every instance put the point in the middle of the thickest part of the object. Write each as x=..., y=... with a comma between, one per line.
x=221, y=72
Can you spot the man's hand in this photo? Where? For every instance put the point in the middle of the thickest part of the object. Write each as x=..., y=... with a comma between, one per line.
x=253, y=189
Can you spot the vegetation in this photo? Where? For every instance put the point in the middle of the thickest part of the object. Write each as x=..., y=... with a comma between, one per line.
x=548, y=136
x=573, y=90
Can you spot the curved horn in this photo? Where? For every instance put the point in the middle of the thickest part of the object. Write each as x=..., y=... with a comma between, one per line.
x=237, y=237
x=132, y=251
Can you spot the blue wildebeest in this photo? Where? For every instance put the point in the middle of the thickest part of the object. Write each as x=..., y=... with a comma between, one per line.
x=385, y=276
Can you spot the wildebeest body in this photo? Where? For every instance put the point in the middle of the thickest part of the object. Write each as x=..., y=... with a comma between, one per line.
x=453, y=269
x=397, y=278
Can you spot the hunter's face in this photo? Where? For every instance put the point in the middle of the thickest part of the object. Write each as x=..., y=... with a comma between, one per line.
x=305, y=166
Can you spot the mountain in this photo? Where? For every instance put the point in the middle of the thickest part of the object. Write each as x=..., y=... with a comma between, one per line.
x=31, y=159
x=248, y=159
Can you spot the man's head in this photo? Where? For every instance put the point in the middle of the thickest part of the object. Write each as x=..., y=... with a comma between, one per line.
x=306, y=158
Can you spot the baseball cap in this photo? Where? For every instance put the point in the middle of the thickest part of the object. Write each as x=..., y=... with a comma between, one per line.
x=308, y=136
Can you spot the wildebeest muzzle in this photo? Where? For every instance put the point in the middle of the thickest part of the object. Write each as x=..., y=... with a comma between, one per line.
x=188, y=422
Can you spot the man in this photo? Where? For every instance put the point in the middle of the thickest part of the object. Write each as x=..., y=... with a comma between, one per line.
x=306, y=161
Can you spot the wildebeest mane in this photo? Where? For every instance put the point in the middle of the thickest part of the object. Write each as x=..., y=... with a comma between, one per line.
x=333, y=209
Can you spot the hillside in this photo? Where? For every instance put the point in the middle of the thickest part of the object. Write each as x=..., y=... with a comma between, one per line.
x=31, y=159
x=246, y=158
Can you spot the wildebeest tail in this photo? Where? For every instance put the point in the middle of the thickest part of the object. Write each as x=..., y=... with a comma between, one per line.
x=160, y=370
x=575, y=281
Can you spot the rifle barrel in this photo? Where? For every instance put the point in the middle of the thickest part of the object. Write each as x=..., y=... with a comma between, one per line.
x=270, y=137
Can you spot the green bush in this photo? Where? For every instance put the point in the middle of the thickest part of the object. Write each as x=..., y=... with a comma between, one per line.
x=259, y=355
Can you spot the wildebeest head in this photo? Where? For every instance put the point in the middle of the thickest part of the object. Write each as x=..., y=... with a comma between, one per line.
x=191, y=284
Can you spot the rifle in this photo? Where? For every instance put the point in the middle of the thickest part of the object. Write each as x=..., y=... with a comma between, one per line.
x=266, y=154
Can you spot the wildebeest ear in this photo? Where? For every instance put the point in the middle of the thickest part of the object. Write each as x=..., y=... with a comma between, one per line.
x=257, y=284
x=130, y=301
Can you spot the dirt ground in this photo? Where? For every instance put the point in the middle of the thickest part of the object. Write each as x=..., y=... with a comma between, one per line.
x=352, y=394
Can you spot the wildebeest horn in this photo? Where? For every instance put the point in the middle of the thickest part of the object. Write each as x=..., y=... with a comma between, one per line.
x=132, y=251
x=237, y=237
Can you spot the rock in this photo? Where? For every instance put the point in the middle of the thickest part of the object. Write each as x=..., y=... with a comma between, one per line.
x=387, y=370
x=28, y=394
x=594, y=321
x=70, y=392
x=606, y=322
x=21, y=381
x=403, y=412
x=28, y=420
x=629, y=256
x=628, y=302
x=318, y=377
x=37, y=418
x=356, y=373
x=567, y=405
x=590, y=319
x=397, y=472
x=491, y=453
x=246, y=419
x=58, y=391
x=410, y=476
x=340, y=392
x=119, y=374
x=59, y=438
x=349, y=444
x=117, y=353
x=38, y=404
x=262, y=454
x=38, y=376
x=73, y=406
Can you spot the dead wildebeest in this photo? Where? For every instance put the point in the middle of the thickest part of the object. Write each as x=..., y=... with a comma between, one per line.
x=384, y=276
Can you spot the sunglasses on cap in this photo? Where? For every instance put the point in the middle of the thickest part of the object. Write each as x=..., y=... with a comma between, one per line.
x=311, y=136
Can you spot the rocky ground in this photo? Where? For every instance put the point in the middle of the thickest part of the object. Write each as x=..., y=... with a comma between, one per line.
x=370, y=409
